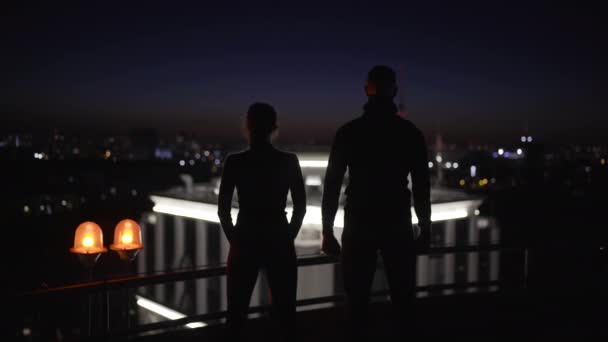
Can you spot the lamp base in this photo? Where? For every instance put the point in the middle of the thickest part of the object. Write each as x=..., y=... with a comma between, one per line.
x=88, y=260
x=127, y=254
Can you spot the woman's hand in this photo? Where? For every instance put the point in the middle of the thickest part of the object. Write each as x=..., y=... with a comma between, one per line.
x=330, y=245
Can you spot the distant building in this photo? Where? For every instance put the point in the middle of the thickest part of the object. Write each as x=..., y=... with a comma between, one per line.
x=143, y=143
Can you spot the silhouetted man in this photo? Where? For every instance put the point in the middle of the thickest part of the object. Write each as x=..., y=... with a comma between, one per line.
x=262, y=237
x=379, y=149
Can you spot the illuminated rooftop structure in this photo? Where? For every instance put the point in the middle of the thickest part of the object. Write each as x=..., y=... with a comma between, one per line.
x=184, y=230
x=201, y=202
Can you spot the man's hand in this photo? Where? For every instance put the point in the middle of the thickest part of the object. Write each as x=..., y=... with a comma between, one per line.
x=330, y=245
x=423, y=243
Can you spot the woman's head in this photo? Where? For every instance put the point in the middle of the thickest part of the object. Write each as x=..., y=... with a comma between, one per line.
x=261, y=122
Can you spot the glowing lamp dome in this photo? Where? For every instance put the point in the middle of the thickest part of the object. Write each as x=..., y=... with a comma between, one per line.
x=88, y=239
x=127, y=236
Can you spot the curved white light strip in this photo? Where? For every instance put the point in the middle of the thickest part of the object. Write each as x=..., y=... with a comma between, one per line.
x=208, y=212
x=313, y=163
x=185, y=208
x=166, y=312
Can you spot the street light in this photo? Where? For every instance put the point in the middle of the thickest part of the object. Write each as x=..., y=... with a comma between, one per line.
x=127, y=239
x=88, y=243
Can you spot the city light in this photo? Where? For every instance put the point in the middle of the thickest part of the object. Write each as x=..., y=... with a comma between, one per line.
x=438, y=158
x=473, y=171
x=430, y=164
x=501, y=151
x=519, y=151
x=530, y=139
x=462, y=182
x=448, y=165
x=165, y=312
x=523, y=139
x=455, y=165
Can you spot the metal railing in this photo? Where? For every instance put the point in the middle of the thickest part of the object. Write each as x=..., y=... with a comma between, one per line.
x=104, y=287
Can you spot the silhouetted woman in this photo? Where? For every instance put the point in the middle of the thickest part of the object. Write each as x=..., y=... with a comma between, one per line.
x=262, y=237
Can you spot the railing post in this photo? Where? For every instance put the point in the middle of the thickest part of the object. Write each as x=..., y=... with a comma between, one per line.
x=526, y=266
x=107, y=311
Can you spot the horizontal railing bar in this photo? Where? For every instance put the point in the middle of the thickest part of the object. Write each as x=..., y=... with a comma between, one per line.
x=303, y=302
x=153, y=279
x=181, y=275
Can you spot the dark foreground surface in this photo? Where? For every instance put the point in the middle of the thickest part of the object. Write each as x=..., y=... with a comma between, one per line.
x=490, y=317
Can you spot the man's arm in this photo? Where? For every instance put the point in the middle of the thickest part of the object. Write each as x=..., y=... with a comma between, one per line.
x=421, y=188
x=298, y=197
x=334, y=175
x=224, y=205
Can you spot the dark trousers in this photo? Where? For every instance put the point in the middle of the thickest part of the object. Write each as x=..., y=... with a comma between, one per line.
x=275, y=254
x=363, y=238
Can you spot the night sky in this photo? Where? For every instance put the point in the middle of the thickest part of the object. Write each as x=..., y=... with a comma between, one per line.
x=478, y=72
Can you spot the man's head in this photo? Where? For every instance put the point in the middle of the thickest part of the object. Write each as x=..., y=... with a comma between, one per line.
x=381, y=82
x=261, y=121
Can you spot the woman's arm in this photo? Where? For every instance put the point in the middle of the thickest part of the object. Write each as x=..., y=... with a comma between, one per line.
x=298, y=197
x=224, y=205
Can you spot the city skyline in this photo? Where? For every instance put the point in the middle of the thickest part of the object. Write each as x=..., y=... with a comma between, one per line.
x=480, y=73
x=133, y=197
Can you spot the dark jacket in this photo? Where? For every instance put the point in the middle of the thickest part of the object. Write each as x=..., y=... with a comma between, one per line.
x=380, y=150
x=262, y=177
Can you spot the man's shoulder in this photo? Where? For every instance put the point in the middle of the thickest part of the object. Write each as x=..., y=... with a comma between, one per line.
x=350, y=126
x=353, y=123
x=236, y=156
x=407, y=124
